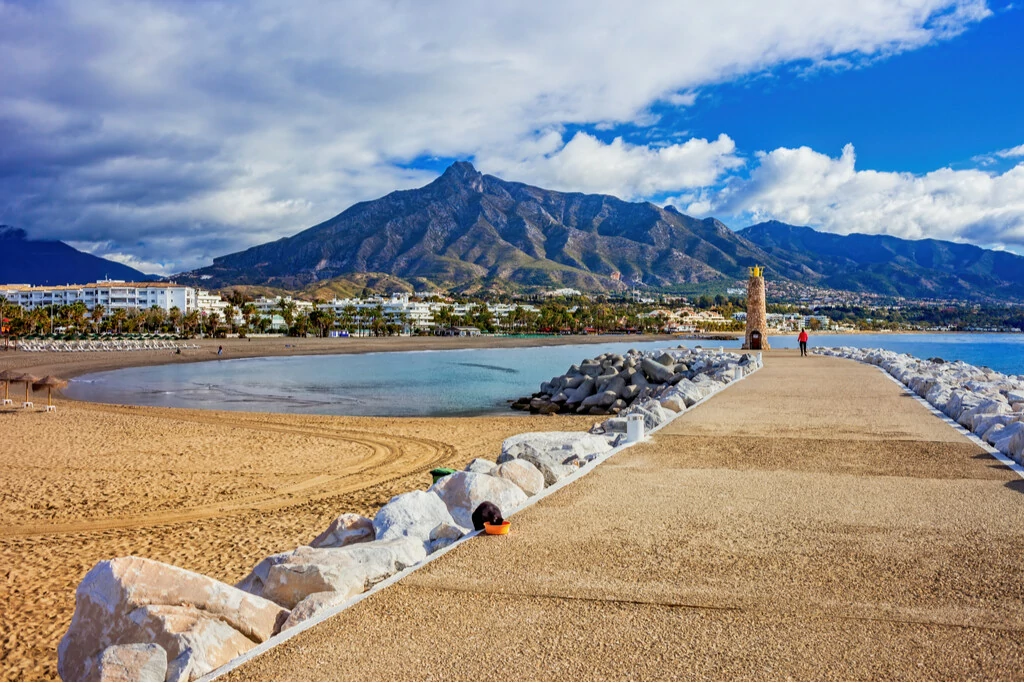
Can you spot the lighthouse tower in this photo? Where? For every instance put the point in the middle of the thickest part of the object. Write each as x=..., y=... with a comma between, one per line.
x=756, y=337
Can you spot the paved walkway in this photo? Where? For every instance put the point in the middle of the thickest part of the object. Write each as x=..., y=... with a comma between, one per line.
x=812, y=522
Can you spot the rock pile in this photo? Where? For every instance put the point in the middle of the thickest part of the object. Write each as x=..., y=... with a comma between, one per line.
x=612, y=382
x=136, y=619
x=988, y=403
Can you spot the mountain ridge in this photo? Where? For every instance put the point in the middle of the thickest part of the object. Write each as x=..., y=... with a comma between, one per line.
x=888, y=265
x=51, y=262
x=466, y=226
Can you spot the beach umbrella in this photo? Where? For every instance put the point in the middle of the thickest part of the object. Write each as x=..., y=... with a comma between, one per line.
x=7, y=376
x=29, y=380
x=51, y=383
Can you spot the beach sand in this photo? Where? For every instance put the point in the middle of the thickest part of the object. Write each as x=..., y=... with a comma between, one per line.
x=209, y=491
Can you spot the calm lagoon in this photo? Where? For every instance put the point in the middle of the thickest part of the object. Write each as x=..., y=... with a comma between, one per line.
x=436, y=383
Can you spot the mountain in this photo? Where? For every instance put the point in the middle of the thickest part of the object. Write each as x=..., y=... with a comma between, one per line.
x=466, y=227
x=889, y=265
x=45, y=262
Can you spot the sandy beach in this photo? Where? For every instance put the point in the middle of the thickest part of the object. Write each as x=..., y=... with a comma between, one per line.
x=210, y=491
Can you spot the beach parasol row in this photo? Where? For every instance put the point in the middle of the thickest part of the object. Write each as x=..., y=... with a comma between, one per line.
x=30, y=381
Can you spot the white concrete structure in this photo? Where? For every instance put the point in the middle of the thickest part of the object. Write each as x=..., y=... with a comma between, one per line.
x=271, y=306
x=210, y=303
x=111, y=294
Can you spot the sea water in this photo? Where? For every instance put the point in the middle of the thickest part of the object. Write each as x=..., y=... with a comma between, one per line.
x=435, y=383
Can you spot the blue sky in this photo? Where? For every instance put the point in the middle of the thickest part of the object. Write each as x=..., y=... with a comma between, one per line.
x=163, y=134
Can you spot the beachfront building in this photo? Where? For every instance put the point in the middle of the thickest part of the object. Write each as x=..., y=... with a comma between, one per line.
x=211, y=303
x=396, y=309
x=268, y=306
x=110, y=294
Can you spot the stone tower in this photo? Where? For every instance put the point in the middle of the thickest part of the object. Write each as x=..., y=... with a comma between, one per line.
x=756, y=336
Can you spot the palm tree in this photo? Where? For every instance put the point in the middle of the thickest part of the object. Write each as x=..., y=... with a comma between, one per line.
x=118, y=318
x=287, y=310
x=97, y=316
x=189, y=323
x=248, y=313
x=229, y=317
x=348, y=316
x=301, y=327
x=213, y=320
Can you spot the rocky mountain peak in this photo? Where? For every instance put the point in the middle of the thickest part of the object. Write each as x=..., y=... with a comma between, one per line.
x=464, y=174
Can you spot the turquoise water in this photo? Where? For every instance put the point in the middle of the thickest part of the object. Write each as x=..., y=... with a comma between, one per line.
x=427, y=383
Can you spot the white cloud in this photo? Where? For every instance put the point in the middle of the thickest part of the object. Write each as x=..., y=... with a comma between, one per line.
x=1011, y=153
x=804, y=187
x=286, y=113
x=586, y=164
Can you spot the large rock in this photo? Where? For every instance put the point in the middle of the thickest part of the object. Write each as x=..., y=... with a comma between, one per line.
x=480, y=466
x=443, y=535
x=413, y=514
x=686, y=390
x=132, y=600
x=344, y=530
x=558, y=444
x=601, y=400
x=656, y=372
x=981, y=410
x=349, y=570
x=135, y=662
x=1003, y=439
x=311, y=604
x=196, y=643
x=462, y=492
x=581, y=392
x=523, y=474
x=555, y=454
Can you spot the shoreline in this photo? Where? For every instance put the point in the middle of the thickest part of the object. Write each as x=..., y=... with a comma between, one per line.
x=69, y=365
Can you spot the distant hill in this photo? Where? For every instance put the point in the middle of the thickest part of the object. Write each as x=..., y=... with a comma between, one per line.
x=45, y=262
x=467, y=229
x=889, y=265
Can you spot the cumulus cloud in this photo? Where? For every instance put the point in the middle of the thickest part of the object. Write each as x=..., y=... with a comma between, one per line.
x=805, y=187
x=586, y=164
x=172, y=132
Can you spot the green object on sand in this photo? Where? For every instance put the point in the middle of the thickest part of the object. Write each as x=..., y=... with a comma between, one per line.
x=441, y=472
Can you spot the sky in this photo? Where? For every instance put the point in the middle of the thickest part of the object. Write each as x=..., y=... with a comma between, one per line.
x=164, y=134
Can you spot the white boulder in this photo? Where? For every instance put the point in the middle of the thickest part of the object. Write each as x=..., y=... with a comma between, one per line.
x=311, y=604
x=462, y=492
x=349, y=570
x=443, y=536
x=134, y=662
x=344, y=530
x=200, y=622
x=480, y=466
x=413, y=514
x=523, y=474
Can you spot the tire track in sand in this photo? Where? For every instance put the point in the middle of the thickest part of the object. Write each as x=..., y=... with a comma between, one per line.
x=392, y=457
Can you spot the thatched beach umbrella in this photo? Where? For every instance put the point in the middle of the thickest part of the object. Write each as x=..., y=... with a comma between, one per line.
x=51, y=383
x=29, y=380
x=7, y=376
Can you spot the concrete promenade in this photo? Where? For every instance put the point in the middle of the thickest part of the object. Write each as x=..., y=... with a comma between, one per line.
x=812, y=522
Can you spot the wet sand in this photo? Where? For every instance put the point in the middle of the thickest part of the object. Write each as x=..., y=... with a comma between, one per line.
x=813, y=522
x=210, y=491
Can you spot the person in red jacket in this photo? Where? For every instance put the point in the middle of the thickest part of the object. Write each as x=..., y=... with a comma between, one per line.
x=803, y=341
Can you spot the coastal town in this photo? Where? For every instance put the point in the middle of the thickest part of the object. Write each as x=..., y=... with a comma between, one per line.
x=117, y=307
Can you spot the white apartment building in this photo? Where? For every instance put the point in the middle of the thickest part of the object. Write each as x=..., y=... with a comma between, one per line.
x=210, y=303
x=413, y=314
x=111, y=294
x=271, y=306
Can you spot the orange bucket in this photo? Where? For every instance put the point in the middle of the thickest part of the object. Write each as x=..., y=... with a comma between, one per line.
x=497, y=529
